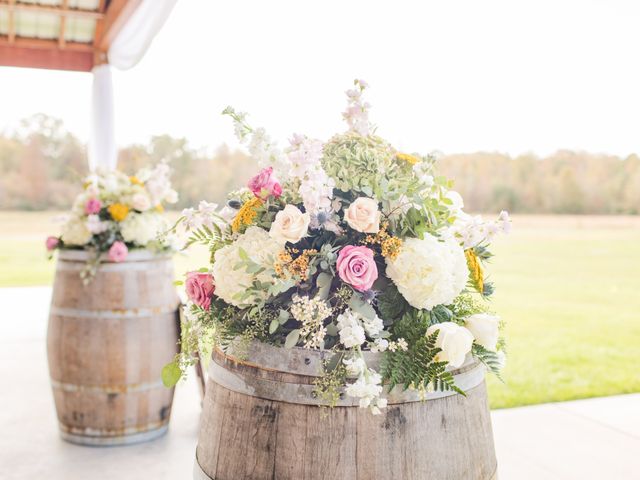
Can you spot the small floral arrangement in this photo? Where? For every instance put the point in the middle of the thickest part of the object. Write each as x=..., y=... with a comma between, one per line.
x=115, y=213
x=347, y=245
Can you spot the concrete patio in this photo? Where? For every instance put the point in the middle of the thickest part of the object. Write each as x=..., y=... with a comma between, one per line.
x=587, y=439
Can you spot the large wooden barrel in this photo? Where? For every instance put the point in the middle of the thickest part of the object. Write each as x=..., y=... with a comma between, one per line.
x=107, y=343
x=261, y=422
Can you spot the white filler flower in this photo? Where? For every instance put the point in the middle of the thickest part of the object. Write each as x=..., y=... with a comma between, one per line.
x=230, y=281
x=454, y=340
x=429, y=272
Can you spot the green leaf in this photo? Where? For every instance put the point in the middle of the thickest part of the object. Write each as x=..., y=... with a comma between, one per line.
x=283, y=316
x=440, y=314
x=171, y=374
x=292, y=339
x=273, y=326
x=178, y=283
x=332, y=329
x=363, y=308
x=391, y=303
x=203, y=270
x=243, y=255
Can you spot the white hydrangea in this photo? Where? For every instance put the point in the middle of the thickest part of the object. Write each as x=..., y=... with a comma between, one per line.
x=75, y=232
x=232, y=282
x=429, y=272
x=142, y=228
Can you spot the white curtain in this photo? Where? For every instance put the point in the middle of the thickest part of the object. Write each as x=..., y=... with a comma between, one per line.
x=125, y=52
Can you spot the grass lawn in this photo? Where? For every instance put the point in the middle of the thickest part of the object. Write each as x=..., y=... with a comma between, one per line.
x=566, y=286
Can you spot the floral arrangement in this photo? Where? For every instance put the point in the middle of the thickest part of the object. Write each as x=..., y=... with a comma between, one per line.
x=347, y=245
x=115, y=213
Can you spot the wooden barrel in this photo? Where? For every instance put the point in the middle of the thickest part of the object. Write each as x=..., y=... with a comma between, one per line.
x=107, y=343
x=261, y=422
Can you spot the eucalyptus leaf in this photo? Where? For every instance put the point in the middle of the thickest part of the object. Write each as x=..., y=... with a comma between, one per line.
x=273, y=326
x=283, y=316
x=292, y=339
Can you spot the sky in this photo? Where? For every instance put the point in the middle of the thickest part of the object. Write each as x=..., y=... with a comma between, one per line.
x=452, y=76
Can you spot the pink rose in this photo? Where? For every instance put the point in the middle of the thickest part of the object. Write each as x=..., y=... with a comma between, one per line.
x=200, y=288
x=357, y=267
x=52, y=243
x=118, y=252
x=265, y=184
x=92, y=206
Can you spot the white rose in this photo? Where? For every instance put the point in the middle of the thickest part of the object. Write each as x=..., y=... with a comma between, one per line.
x=140, y=202
x=290, y=225
x=363, y=215
x=454, y=340
x=484, y=328
x=75, y=232
x=429, y=272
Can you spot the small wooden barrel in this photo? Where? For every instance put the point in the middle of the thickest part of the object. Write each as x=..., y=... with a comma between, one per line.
x=107, y=343
x=261, y=422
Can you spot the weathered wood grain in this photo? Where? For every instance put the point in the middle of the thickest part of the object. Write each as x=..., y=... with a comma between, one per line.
x=246, y=434
x=107, y=343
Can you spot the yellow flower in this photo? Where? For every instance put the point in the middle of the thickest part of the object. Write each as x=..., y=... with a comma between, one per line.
x=135, y=180
x=247, y=214
x=475, y=269
x=118, y=211
x=405, y=157
x=159, y=208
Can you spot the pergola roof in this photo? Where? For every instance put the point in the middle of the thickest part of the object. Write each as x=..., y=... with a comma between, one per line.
x=60, y=34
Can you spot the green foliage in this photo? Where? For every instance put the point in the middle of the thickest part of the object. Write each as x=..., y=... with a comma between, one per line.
x=328, y=386
x=391, y=304
x=171, y=374
x=417, y=367
x=488, y=358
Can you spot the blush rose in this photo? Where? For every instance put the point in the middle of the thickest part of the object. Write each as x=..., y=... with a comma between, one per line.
x=357, y=267
x=264, y=184
x=200, y=287
x=118, y=252
x=92, y=206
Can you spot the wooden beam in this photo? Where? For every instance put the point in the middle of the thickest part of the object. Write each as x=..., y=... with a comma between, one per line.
x=47, y=44
x=117, y=14
x=63, y=25
x=13, y=55
x=69, y=12
x=12, y=21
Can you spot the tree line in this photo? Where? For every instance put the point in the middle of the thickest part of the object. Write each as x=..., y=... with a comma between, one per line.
x=41, y=165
